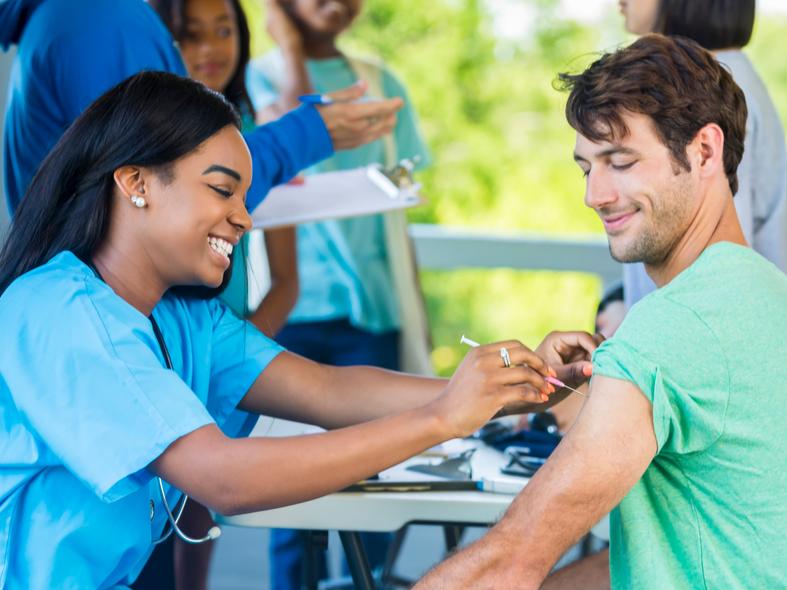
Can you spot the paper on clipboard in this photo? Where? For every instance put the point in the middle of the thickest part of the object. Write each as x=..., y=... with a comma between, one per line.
x=333, y=195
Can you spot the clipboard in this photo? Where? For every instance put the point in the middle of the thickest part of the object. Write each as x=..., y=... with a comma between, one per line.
x=336, y=195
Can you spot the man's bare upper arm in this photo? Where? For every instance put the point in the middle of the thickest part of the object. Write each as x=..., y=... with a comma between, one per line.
x=600, y=459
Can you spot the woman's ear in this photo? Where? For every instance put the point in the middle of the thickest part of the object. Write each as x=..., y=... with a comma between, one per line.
x=130, y=182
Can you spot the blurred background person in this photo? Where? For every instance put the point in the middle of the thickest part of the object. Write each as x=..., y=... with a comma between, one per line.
x=352, y=304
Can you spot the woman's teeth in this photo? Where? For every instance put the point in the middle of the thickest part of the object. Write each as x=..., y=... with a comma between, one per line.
x=223, y=247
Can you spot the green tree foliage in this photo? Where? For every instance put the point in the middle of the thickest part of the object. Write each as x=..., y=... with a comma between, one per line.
x=501, y=149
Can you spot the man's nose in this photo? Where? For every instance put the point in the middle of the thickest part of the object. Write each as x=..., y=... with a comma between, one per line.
x=599, y=190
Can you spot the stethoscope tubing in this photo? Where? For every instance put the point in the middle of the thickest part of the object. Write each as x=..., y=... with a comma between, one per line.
x=214, y=532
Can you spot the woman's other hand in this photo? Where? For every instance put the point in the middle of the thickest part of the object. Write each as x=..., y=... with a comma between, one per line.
x=351, y=123
x=569, y=353
x=482, y=386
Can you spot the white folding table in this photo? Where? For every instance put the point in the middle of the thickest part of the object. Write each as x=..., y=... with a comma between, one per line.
x=350, y=513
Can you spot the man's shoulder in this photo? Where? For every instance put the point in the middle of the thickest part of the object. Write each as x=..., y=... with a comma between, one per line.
x=730, y=293
x=726, y=278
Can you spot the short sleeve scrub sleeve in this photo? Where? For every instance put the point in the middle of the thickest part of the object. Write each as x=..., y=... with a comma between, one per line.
x=87, y=404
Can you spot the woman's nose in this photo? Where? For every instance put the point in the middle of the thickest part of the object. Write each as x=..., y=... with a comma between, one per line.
x=239, y=218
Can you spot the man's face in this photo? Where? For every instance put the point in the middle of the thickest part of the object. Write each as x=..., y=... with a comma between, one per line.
x=645, y=200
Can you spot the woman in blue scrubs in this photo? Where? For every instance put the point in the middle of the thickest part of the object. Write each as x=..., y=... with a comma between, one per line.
x=118, y=364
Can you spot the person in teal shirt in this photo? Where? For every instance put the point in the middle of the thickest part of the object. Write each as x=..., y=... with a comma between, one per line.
x=343, y=265
x=684, y=433
x=119, y=365
x=348, y=308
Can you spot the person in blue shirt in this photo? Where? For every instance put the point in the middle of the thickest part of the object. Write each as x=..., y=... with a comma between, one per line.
x=120, y=365
x=71, y=51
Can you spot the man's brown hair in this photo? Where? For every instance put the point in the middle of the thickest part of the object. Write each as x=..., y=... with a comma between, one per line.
x=675, y=82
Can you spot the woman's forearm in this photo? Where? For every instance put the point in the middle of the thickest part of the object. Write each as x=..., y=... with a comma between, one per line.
x=275, y=308
x=296, y=79
x=295, y=82
x=242, y=475
x=323, y=463
x=359, y=394
x=282, y=254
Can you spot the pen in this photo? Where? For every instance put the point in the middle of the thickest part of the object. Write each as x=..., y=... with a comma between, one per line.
x=315, y=99
x=465, y=340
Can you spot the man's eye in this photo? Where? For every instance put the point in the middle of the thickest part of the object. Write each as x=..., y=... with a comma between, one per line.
x=585, y=173
x=623, y=166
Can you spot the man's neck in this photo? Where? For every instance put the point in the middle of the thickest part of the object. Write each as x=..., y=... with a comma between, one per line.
x=708, y=228
x=130, y=275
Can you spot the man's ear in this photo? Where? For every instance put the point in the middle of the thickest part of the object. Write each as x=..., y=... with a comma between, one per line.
x=130, y=182
x=708, y=147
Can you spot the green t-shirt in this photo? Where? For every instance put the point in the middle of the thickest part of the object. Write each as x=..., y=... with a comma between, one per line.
x=709, y=350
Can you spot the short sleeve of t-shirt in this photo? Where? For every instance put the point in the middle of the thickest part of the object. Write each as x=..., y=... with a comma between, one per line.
x=239, y=354
x=85, y=374
x=677, y=362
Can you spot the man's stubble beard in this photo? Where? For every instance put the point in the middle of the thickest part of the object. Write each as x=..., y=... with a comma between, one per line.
x=664, y=228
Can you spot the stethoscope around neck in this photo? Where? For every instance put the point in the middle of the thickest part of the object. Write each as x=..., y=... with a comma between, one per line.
x=173, y=516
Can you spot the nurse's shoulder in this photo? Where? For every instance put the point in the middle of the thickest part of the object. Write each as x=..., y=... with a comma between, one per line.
x=50, y=295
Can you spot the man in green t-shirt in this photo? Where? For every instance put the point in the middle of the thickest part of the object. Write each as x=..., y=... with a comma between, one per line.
x=684, y=434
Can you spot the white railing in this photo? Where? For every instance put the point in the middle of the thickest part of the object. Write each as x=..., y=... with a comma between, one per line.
x=446, y=248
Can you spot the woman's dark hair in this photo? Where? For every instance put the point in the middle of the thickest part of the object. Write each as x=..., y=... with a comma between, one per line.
x=151, y=119
x=672, y=80
x=173, y=13
x=714, y=24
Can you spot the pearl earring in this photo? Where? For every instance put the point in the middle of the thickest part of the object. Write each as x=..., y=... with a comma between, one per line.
x=138, y=201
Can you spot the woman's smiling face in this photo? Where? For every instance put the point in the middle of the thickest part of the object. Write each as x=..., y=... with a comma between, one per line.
x=197, y=211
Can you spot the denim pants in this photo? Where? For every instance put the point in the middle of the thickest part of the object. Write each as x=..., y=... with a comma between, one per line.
x=337, y=343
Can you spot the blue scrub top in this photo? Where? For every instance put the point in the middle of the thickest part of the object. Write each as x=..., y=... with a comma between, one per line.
x=86, y=404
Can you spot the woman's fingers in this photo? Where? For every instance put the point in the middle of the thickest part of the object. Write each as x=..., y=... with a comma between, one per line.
x=519, y=354
x=522, y=375
x=523, y=394
x=352, y=92
x=351, y=124
x=572, y=344
x=575, y=373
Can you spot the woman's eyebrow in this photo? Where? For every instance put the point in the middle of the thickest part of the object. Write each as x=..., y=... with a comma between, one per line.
x=224, y=169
